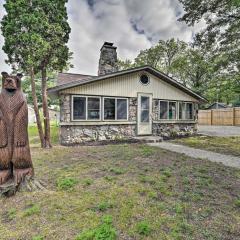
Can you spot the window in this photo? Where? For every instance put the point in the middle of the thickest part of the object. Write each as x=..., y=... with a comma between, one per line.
x=79, y=108
x=189, y=111
x=115, y=109
x=172, y=111
x=121, y=109
x=85, y=108
x=182, y=110
x=144, y=109
x=144, y=79
x=168, y=110
x=93, y=108
x=163, y=110
x=185, y=111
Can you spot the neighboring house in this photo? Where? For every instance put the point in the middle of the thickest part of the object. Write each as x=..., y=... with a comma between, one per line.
x=217, y=105
x=31, y=115
x=121, y=104
x=54, y=115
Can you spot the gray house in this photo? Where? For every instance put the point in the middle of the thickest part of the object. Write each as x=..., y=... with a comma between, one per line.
x=123, y=104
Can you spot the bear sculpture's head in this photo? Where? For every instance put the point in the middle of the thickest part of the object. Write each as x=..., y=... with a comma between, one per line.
x=11, y=83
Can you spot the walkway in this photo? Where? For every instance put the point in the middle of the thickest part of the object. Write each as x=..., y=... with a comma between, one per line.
x=227, y=160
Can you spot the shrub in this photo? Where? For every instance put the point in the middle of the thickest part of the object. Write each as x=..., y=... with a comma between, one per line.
x=66, y=183
x=143, y=228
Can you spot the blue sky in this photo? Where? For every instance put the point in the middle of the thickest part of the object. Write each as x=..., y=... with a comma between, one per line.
x=132, y=25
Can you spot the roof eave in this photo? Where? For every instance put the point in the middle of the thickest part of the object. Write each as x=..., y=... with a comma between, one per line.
x=54, y=91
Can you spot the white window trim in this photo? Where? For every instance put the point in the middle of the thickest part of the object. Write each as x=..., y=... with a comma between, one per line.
x=193, y=113
x=118, y=120
x=86, y=107
x=167, y=119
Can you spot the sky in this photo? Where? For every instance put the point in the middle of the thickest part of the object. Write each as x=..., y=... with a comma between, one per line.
x=132, y=25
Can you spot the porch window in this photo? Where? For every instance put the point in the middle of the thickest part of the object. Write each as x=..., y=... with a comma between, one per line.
x=185, y=111
x=93, y=108
x=172, y=110
x=85, y=108
x=168, y=110
x=115, y=109
x=189, y=111
x=79, y=108
x=163, y=110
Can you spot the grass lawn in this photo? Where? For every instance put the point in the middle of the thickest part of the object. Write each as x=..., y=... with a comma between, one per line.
x=127, y=192
x=225, y=145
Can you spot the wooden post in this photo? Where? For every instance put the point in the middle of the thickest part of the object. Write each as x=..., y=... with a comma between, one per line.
x=211, y=117
x=234, y=116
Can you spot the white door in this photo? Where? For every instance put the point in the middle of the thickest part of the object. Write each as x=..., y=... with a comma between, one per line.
x=144, y=120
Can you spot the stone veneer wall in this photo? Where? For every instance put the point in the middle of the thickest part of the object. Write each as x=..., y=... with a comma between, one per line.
x=74, y=134
x=79, y=134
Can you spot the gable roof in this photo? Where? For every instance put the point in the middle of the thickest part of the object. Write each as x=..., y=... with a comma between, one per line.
x=90, y=79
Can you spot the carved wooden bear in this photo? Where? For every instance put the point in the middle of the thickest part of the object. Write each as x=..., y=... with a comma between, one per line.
x=15, y=157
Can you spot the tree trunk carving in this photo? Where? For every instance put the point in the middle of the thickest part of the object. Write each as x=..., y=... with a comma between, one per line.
x=15, y=157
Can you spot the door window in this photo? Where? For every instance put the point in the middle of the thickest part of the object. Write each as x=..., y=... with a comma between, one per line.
x=145, y=109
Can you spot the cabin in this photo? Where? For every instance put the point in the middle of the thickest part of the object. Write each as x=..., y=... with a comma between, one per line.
x=123, y=104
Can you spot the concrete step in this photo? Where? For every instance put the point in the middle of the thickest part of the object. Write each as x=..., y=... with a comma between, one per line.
x=148, y=139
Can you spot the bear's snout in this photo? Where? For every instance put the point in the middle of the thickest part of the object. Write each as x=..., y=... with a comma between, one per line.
x=10, y=84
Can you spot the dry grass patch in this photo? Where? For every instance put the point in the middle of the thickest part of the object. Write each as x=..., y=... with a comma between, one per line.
x=124, y=192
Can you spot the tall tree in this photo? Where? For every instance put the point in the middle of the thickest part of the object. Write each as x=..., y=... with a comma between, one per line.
x=221, y=35
x=162, y=55
x=36, y=33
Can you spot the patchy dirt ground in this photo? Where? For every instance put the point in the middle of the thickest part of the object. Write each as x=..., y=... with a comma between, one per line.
x=147, y=192
x=225, y=145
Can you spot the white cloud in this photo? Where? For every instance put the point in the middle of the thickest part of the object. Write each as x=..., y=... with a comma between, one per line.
x=131, y=24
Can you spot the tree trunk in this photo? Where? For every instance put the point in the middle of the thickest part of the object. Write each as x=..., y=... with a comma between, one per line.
x=46, y=118
x=36, y=109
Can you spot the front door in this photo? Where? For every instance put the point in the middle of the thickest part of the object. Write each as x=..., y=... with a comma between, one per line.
x=144, y=120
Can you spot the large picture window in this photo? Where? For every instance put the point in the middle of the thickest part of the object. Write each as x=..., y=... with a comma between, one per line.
x=85, y=108
x=115, y=109
x=168, y=110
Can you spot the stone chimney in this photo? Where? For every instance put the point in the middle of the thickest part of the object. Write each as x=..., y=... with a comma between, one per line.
x=108, y=59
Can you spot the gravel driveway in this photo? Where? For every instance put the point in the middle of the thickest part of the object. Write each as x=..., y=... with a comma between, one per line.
x=197, y=153
x=219, y=131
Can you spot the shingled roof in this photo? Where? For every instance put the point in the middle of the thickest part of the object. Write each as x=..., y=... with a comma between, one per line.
x=80, y=80
x=65, y=78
